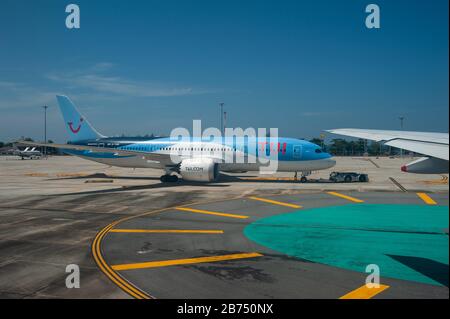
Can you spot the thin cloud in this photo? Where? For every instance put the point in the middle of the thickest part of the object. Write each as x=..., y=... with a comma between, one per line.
x=117, y=85
x=92, y=84
x=94, y=79
x=102, y=66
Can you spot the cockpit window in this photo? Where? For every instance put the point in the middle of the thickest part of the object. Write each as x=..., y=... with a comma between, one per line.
x=318, y=150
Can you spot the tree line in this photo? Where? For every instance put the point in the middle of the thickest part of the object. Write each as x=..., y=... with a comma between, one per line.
x=342, y=147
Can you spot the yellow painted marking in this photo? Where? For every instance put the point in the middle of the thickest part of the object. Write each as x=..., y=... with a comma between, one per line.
x=37, y=174
x=364, y=292
x=427, y=199
x=71, y=174
x=174, y=262
x=200, y=211
x=167, y=231
x=442, y=181
x=352, y=199
x=119, y=281
x=107, y=270
x=275, y=202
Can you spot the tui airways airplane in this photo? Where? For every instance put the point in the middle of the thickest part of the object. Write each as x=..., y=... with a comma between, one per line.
x=194, y=159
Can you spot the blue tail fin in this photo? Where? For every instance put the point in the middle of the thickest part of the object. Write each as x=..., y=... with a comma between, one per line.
x=77, y=126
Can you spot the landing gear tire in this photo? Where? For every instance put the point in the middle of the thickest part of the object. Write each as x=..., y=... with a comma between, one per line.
x=169, y=178
x=303, y=179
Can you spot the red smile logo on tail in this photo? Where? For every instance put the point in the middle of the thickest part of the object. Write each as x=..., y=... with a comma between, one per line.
x=75, y=130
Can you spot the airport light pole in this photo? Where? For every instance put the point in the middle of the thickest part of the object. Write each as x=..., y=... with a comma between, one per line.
x=322, y=141
x=45, y=107
x=221, y=118
x=401, y=118
x=224, y=121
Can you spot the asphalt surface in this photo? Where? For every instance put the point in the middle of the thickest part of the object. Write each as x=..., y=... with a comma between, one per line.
x=271, y=275
x=53, y=211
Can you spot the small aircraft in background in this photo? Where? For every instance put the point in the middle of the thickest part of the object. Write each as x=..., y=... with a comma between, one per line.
x=28, y=152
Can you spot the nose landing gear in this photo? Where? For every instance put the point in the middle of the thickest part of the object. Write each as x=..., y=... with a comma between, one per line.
x=303, y=178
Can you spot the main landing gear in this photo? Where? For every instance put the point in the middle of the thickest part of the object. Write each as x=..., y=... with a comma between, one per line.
x=169, y=178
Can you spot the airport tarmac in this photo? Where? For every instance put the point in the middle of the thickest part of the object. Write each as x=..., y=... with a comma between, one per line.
x=135, y=237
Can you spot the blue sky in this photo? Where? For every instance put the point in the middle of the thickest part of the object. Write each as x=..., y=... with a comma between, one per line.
x=138, y=67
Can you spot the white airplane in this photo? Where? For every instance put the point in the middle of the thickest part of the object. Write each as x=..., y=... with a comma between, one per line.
x=27, y=153
x=433, y=145
x=194, y=159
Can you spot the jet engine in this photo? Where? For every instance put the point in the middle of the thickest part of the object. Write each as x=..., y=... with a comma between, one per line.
x=199, y=170
x=427, y=165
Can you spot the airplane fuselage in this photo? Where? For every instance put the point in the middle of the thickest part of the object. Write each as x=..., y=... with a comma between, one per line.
x=292, y=155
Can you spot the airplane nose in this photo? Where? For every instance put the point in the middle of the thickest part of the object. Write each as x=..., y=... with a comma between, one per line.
x=330, y=163
x=327, y=162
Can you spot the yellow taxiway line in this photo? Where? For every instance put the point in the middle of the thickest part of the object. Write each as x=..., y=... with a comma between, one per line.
x=352, y=199
x=106, y=269
x=364, y=292
x=442, y=181
x=275, y=202
x=166, y=231
x=427, y=199
x=174, y=262
x=201, y=211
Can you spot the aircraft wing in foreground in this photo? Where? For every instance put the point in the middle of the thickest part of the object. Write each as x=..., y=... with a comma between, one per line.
x=433, y=145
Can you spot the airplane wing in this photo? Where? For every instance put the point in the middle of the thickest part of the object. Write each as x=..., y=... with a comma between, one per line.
x=95, y=149
x=163, y=158
x=430, y=144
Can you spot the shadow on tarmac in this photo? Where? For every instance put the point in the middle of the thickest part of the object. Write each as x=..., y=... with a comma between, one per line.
x=221, y=182
x=427, y=267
